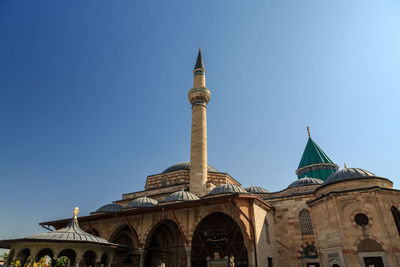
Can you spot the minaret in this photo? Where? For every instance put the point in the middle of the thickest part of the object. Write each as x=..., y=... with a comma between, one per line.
x=199, y=96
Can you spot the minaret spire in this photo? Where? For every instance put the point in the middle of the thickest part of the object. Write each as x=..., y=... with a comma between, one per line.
x=199, y=61
x=199, y=96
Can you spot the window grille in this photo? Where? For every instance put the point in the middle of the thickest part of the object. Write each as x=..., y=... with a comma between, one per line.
x=396, y=217
x=305, y=223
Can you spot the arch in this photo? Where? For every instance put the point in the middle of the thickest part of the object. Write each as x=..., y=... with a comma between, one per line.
x=89, y=258
x=124, y=228
x=306, y=226
x=369, y=245
x=396, y=217
x=165, y=244
x=230, y=214
x=69, y=253
x=44, y=252
x=123, y=235
x=218, y=235
x=23, y=255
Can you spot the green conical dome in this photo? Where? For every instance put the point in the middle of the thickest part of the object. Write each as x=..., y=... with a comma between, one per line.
x=315, y=163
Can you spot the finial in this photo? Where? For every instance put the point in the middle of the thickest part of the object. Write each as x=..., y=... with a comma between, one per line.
x=308, y=131
x=76, y=212
x=345, y=166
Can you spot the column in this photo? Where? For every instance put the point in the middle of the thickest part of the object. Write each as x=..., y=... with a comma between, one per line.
x=188, y=256
x=141, y=259
x=78, y=262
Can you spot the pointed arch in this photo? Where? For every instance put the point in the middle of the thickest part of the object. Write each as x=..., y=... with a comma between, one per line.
x=218, y=235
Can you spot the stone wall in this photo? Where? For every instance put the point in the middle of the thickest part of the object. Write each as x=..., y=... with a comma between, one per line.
x=338, y=233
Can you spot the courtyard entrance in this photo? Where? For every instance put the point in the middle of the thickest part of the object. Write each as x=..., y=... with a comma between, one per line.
x=218, y=240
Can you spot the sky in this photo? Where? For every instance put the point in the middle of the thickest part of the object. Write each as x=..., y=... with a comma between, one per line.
x=93, y=94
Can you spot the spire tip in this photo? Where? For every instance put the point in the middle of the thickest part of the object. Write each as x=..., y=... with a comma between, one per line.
x=308, y=131
x=76, y=212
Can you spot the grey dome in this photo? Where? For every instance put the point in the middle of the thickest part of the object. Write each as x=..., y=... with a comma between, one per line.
x=226, y=189
x=305, y=181
x=142, y=202
x=181, y=196
x=348, y=174
x=109, y=208
x=185, y=165
x=71, y=233
x=256, y=190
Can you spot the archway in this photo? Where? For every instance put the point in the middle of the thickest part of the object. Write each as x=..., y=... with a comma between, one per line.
x=89, y=259
x=70, y=254
x=23, y=256
x=165, y=245
x=218, y=236
x=124, y=236
x=46, y=256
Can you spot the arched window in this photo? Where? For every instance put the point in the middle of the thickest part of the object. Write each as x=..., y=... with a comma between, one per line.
x=396, y=217
x=267, y=232
x=305, y=223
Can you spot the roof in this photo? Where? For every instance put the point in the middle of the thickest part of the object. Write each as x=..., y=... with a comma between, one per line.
x=199, y=61
x=181, y=196
x=109, y=208
x=305, y=182
x=226, y=189
x=223, y=198
x=142, y=202
x=348, y=174
x=185, y=165
x=320, y=165
x=72, y=232
x=256, y=190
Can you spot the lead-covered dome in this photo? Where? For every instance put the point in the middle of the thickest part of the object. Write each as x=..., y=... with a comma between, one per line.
x=109, y=208
x=142, y=202
x=256, y=190
x=181, y=196
x=348, y=174
x=226, y=189
x=185, y=165
x=305, y=182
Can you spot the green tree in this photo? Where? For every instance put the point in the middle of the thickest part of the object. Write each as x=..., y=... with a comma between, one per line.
x=62, y=261
x=5, y=256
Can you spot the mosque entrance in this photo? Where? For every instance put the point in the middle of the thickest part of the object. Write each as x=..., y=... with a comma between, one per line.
x=218, y=238
x=165, y=245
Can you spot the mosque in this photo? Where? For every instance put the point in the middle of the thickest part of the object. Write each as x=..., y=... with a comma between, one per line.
x=193, y=214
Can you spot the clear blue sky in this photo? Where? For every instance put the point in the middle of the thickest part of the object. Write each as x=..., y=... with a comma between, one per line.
x=93, y=94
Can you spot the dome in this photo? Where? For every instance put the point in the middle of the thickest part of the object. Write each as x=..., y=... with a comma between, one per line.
x=256, y=190
x=70, y=233
x=109, y=208
x=226, y=189
x=181, y=196
x=142, y=202
x=348, y=174
x=185, y=165
x=305, y=182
